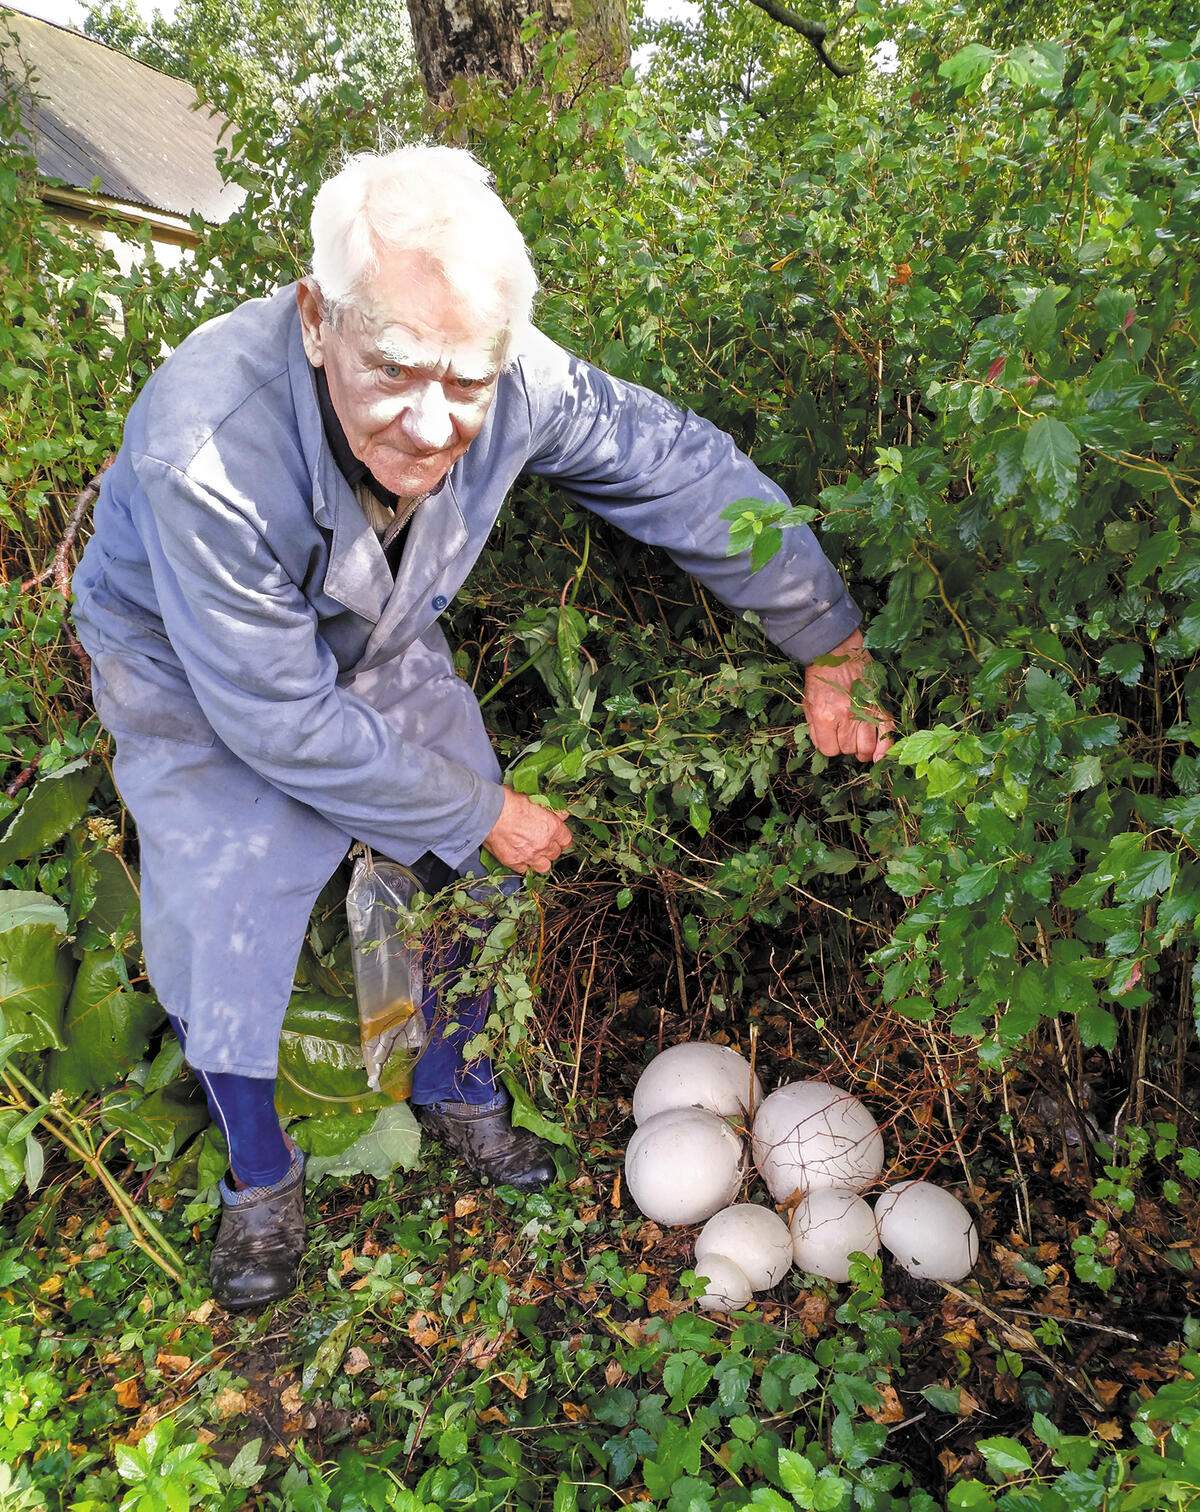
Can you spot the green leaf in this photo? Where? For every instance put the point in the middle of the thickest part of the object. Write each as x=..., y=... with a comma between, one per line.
x=1124, y=662
x=976, y=883
x=766, y=543
x=35, y=968
x=321, y=1362
x=1146, y=877
x=968, y=66
x=330, y=1134
x=106, y=1026
x=1097, y=1027
x=1051, y=455
x=1046, y=697
x=526, y=1116
x=320, y=1059
x=1037, y=65
x=1005, y=1456
x=12, y=1153
x=55, y=804
x=390, y=1144
x=797, y=1476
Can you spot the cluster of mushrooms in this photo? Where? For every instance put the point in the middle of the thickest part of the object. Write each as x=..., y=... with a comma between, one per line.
x=810, y=1141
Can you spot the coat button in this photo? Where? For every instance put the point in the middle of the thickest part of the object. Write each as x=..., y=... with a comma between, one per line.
x=440, y=603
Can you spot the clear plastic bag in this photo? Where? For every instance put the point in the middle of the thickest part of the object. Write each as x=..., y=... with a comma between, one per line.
x=388, y=979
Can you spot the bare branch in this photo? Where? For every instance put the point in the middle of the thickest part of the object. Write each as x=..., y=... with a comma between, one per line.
x=812, y=31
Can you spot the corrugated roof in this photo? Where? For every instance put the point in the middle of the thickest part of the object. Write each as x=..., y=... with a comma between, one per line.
x=95, y=112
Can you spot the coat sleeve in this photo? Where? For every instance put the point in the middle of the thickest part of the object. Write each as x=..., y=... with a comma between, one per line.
x=247, y=639
x=663, y=475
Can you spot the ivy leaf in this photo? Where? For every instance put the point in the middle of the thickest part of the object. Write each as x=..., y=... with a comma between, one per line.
x=1051, y=455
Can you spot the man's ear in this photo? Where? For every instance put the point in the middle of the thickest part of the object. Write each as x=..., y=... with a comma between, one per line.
x=312, y=320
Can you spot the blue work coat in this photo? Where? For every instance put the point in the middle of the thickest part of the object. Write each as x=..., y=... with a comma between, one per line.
x=274, y=694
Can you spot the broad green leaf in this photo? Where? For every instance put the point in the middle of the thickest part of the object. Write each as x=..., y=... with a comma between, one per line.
x=968, y=66
x=390, y=1144
x=1146, y=877
x=797, y=1476
x=105, y=1028
x=976, y=883
x=1046, y=696
x=320, y=1059
x=1004, y=1456
x=526, y=1116
x=1051, y=455
x=54, y=805
x=1097, y=1027
x=160, y=1124
x=35, y=968
x=1124, y=662
x=12, y=1153
x=331, y=1133
x=321, y=1362
x=1038, y=65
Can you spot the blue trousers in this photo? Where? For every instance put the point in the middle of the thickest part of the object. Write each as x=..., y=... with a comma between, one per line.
x=243, y=1107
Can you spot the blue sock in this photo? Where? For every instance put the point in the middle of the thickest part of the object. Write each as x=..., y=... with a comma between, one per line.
x=243, y=1108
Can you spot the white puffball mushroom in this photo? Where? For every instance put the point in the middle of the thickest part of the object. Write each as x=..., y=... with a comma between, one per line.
x=827, y=1226
x=755, y=1237
x=696, y=1075
x=928, y=1231
x=809, y=1134
x=684, y=1165
x=728, y=1285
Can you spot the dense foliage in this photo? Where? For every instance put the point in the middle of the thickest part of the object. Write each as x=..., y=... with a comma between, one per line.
x=954, y=311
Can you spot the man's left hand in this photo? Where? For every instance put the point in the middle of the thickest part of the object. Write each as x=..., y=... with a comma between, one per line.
x=836, y=728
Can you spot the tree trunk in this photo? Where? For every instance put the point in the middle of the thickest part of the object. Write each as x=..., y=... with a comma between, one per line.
x=473, y=38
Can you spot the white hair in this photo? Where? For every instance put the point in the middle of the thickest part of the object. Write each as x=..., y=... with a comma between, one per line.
x=435, y=200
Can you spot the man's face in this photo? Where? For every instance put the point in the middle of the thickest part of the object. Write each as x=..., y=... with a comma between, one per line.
x=411, y=372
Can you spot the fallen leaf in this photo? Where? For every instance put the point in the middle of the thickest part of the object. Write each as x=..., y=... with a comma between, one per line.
x=356, y=1361
x=465, y=1206
x=127, y=1393
x=659, y=1300
x=201, y=1314
x=1110, y=1431
x=889, y=1409
x=1107, y=1391
x=423, y=1330
x=518, y=1385
x=228, y=1402
x=967, y=1403
x=574, y=1412
x=289, y=1399
x=493, y=1415
x=174, y=1363
x=613, y=1374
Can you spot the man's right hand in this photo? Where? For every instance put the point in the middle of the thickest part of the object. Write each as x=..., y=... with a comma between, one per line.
x=527, y=837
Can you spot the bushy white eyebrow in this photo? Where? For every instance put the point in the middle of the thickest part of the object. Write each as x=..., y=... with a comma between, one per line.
x=387, y=351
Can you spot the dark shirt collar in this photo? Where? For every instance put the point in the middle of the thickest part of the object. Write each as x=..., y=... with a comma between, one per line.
x=352, y=468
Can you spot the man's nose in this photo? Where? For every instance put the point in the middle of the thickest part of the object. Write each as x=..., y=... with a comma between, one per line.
x=425, y=420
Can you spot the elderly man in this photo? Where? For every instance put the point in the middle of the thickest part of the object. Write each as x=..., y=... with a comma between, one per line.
x=303, y=486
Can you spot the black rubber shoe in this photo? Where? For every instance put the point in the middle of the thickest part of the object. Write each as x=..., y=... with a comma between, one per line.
x=490, y=1145
x=260, y=1242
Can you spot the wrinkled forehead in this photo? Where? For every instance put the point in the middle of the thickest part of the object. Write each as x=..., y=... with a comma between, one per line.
x=421, y=320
